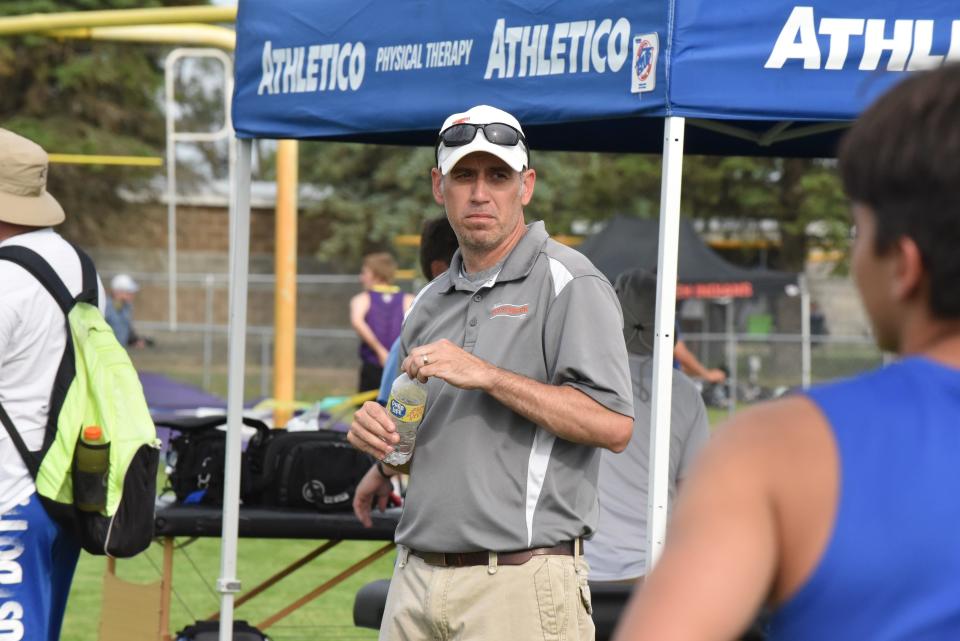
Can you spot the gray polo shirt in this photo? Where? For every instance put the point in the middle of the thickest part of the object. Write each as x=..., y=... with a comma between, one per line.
x=619, y=550
x=483, y=477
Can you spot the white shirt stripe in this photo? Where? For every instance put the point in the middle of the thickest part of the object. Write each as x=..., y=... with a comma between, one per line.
x=536, y=473
x=561, y=275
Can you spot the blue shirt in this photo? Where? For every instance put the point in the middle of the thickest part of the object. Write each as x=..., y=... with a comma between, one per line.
x=891, y=570
x=120, y=320
x=391, y=370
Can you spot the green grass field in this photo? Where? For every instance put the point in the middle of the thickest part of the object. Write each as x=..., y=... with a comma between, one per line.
x=197, y=566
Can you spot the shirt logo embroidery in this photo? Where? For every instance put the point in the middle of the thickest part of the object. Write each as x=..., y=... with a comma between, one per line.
x=508, y=309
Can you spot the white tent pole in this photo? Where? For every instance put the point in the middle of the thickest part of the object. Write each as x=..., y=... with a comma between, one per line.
x=670, y=183
x=169, y=107
x=228, y=584
x=804, y=332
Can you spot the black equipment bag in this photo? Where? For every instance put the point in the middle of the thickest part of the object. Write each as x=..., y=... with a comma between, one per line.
x=197, y=457
x=210, y=631
x=318, y=470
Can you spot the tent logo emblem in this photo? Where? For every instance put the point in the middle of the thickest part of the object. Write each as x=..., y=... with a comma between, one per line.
x=644, y=70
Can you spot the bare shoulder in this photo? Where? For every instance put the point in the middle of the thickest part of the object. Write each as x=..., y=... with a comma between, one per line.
x=788, y=446
x=775, y=429
x=751, y=456
x=750, y=525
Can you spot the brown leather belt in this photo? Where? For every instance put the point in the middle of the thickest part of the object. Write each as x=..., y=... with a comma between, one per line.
x=463, y=559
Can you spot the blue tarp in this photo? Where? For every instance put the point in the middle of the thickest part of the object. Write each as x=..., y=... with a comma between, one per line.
x=596, y=75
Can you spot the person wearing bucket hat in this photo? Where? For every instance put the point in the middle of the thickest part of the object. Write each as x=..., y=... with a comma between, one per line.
x=618, y=551
x=520, y=348
x=40, y=556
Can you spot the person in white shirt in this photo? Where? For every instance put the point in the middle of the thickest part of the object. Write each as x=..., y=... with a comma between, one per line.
x=39, y=556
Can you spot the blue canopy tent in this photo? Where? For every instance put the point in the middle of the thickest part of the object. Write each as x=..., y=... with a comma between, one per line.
x=766, y=78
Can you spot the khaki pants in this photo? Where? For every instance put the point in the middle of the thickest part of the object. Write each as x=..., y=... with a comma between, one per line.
x=545, y=598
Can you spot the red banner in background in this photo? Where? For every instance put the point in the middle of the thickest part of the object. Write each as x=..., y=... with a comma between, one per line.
x=715, y=290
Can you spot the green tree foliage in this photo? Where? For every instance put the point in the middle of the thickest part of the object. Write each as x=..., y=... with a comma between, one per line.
x=794, y=192
x=77, y=96
x=379, y=192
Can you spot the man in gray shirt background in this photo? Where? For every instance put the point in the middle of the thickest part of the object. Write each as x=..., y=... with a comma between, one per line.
x=618, y=551
x=520, y=344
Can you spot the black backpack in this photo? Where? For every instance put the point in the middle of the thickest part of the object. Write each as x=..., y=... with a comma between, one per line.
x=210, y=631
x=314, y=469
x=197, y=457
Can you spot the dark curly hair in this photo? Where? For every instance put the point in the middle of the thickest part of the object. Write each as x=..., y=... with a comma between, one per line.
x=902, y=159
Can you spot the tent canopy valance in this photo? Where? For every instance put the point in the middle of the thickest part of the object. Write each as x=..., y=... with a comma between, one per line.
x=768, y=78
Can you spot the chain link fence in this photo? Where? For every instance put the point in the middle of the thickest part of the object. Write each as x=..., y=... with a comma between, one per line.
x=758, y=365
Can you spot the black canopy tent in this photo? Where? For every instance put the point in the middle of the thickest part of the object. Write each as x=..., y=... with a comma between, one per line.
x=627, y=242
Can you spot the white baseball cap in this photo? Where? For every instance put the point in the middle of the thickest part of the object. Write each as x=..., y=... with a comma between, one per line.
x=124, y=283
x=516, y=155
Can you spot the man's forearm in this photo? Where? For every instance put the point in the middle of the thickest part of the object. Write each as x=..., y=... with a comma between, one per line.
x=561, y=409
x=689, y=364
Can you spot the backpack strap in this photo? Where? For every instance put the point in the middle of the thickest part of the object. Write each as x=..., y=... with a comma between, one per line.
x=37, y=266
x=91, y=292
x=29, y=458
x=42, y=271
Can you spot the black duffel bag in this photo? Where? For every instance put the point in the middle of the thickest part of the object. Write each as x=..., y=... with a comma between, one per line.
x=210, y=631
x=196, y=458
x=314, y=469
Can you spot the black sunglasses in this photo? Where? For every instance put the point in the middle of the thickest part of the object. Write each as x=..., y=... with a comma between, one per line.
x=496, y=132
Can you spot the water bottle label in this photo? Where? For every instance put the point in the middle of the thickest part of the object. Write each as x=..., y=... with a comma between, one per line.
x=405, y=413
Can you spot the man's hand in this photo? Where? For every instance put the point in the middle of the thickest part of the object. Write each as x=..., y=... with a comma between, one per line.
x=372, y=488
x=382, y=354
x=450, y=364
x=372, y=431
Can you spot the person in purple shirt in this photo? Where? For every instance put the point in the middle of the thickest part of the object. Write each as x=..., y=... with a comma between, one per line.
x=376, y=314
x=438, y=243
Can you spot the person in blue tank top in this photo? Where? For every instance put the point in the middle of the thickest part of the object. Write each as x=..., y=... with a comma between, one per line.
x=837, y=509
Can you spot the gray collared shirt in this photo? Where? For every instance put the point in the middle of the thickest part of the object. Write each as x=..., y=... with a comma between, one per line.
x=482, y=476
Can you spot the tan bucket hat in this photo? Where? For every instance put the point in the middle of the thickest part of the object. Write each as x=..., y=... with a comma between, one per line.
x=23, y=184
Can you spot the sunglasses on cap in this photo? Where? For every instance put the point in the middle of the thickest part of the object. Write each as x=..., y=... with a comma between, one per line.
x=496, y=132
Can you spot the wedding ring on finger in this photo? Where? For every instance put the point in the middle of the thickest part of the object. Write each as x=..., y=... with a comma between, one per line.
x=426, y=361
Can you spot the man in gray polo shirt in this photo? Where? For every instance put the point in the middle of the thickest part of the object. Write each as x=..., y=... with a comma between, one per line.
x=521, y=348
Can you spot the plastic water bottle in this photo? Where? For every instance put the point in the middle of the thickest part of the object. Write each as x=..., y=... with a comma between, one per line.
x=408, y=398
x=91, y=465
